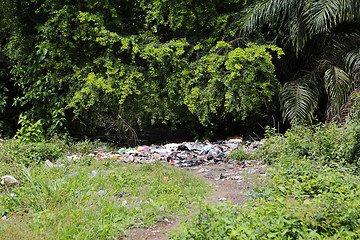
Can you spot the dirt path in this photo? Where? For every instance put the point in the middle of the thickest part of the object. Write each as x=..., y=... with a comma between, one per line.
x=231, y=182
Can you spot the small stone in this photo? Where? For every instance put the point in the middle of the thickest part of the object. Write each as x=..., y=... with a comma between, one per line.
x=236, y=177
x=222, y=199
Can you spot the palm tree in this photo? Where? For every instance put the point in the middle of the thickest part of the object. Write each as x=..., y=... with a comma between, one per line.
x=297, y=26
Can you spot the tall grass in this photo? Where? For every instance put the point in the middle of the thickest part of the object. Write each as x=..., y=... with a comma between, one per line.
x=98, y=200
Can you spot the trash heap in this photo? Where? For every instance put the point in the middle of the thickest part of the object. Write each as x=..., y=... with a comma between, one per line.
x=186, y=154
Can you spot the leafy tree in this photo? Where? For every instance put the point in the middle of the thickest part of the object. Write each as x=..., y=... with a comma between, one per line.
x=101, y=64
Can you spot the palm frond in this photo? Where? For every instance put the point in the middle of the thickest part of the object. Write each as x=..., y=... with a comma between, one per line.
x=271, y=12
x=338, y=85
x=352, y=63
x=298, y=34
x=325, y=15
x=299, y=99
x=285, y=16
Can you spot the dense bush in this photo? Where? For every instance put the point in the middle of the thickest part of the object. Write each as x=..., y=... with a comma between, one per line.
x=313, y=193
x=329, y=145
x=120, y=64
x=29, y=152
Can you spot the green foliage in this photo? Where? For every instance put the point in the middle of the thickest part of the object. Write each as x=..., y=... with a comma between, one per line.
x=299, y=100
x=300, y=21
x=122, y=64
x=309, y=32
x=19, y=152
x=332, y=217
x=248, y=84
x=29, y=132
x=100, y=201
x=239, y=154
x=338, y=85
x=312, y=192
x=329, y=145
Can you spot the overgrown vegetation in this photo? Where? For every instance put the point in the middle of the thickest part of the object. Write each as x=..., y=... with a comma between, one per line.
x=129, y=64
x=86, y=198
x=115, y=66
x=313, y=192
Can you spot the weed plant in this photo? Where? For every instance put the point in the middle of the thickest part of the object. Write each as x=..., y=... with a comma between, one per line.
x=314, y=191
x=100, y=201
x=240, y=154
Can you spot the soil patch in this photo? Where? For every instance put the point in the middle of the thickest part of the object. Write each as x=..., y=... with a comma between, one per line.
x=231, y=181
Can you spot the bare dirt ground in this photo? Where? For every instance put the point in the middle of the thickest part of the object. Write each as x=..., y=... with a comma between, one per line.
x=231, y=182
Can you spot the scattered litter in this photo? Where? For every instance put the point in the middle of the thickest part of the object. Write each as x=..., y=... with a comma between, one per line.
x=8, y=180
x=237, y=177
x=72, y=174
x=186, y=154
x=101, y=192
x=222, y=176
x=258, y=195
x=120, y=195
x=49, y=164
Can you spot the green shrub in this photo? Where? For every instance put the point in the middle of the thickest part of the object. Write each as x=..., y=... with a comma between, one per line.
x=239, y=154
x=303, y=200
x=29, y=152
x=313, y=191
x=330, y=145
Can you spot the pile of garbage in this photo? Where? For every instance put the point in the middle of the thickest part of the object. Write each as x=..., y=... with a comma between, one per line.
x=186, y=154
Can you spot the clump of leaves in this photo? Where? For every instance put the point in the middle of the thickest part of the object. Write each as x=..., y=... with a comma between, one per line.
x=239, y=154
